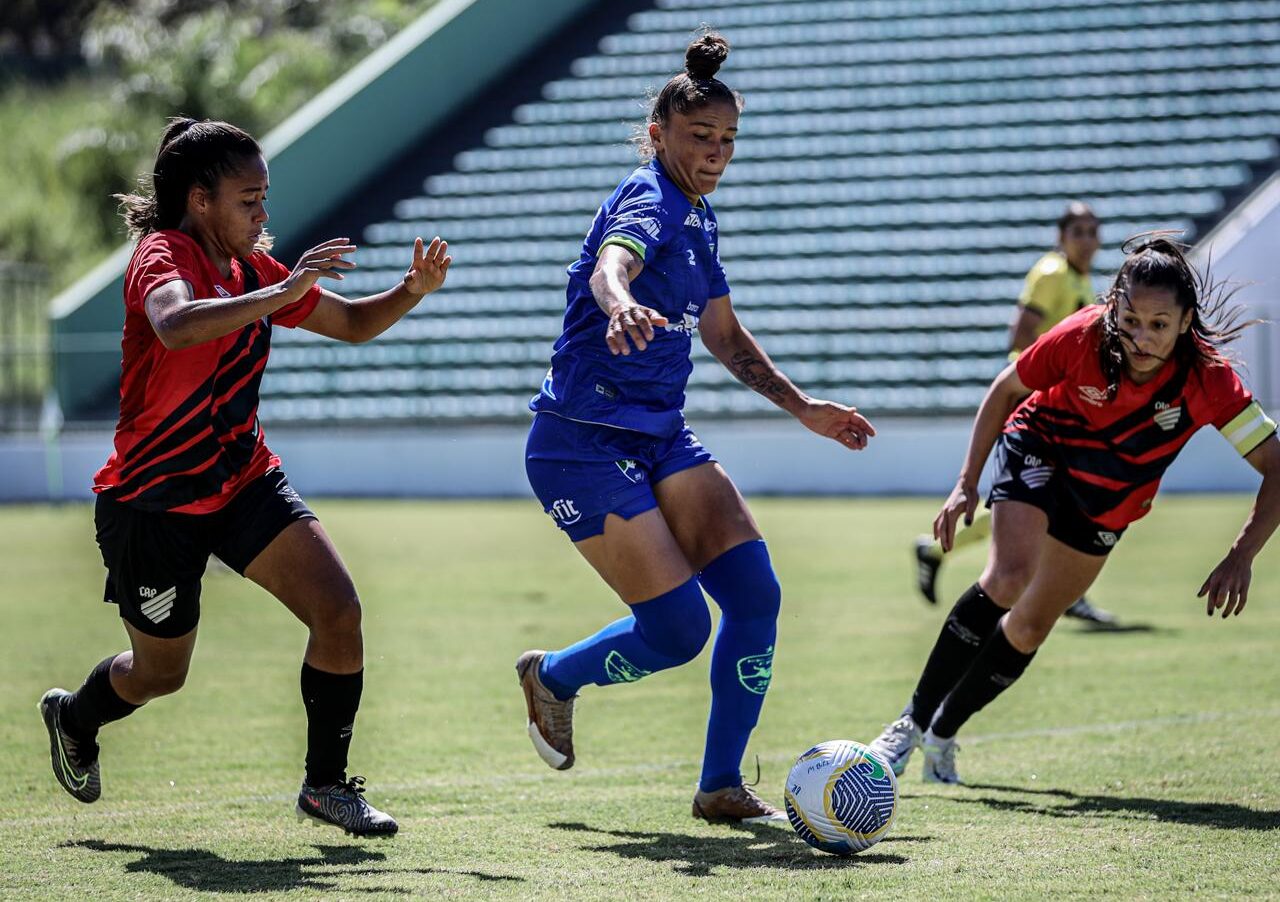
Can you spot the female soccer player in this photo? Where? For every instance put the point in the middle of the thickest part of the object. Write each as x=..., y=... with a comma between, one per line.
x=191, y=474
x=1057, y=286
x=612, y=461
x=1116, y=390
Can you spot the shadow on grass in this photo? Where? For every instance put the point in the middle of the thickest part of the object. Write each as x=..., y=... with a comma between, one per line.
x=1092, y=629
x=749, y=845
x=202, y=870
x=1221, y=815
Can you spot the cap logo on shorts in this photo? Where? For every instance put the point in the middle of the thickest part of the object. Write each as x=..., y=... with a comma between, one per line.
x=1036, y=473
x=157, y=605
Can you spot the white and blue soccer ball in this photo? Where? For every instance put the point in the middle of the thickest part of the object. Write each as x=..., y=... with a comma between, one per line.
x=841, y=797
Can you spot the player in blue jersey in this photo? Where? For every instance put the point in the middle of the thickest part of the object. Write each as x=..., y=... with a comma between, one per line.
x=612, y=461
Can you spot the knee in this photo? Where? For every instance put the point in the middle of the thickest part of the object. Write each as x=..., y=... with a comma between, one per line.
x=337, y=615
x=155, y=682
x=1026, y=631
x=1004, y=584
x=743, y=583
x=678, y=630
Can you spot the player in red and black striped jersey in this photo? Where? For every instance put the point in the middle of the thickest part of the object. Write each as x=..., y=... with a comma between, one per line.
x=1115, y=392
x=191, y=474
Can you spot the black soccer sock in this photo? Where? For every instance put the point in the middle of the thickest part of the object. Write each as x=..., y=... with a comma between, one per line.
x=966, y=629
x=997, y=667
x=331, y=700
x=95, y=703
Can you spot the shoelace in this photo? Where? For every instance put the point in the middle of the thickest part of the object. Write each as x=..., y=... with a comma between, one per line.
x=355, y=786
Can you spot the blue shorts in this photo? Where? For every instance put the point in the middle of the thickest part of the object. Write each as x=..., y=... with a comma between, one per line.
x=582, y=472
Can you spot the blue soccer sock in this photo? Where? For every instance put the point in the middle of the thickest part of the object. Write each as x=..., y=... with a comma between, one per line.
x=742, y=582
x=659, y=633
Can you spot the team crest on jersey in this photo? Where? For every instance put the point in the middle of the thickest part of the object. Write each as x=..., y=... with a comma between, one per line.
x=631, y=470
x=1095, y=396
x=1167, y=417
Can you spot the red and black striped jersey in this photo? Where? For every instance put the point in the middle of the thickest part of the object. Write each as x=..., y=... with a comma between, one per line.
x=188, y=437
x=1115, y=450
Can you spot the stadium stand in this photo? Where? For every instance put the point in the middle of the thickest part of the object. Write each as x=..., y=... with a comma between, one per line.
x=900, y=165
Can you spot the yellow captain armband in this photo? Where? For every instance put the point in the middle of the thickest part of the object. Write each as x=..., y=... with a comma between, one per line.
x=626, y=241
x=1249, y=428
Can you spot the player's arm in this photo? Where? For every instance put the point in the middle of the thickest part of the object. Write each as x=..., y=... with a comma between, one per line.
x=730, y=343
x=181, y=320
x=365, y=318
x=1228, y=585
x=1022, y=331
x=1001, y=398
x=616, y=268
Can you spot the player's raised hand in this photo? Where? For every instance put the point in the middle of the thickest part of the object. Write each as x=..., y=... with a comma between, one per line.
x=429, y=267
x=962, y=502
x=632, y=322
x=837, y=422
x=324, y=260
x=1227, y=586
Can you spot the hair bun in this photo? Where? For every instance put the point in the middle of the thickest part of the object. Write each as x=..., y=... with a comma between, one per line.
x=705, y=56
x=178, y=126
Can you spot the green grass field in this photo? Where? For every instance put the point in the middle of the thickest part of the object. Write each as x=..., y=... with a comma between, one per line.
x=1141, y=764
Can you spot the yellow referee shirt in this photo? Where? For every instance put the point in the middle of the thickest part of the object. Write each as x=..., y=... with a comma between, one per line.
x=1055, y=291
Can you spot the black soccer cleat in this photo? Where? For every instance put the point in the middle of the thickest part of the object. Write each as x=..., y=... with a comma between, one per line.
x=75, y=762
x=927, y=564
x=343, y=805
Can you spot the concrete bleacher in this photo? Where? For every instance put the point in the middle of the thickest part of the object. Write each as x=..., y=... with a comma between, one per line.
x=900, y=166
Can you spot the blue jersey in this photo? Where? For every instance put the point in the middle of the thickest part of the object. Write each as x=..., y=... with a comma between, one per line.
x=644, y=390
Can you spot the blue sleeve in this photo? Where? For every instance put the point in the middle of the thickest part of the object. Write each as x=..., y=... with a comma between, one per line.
x=637, y=219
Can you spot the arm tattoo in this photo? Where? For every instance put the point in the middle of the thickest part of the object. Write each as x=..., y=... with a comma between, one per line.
x=758, y=375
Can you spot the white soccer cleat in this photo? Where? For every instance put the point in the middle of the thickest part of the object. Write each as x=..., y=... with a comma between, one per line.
x=897, y=742
x=940, y=760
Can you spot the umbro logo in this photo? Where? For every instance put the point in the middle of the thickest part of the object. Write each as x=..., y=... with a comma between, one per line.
x=157, y=605
x=1095, y=396
x=222, y=292
x=1107, y=539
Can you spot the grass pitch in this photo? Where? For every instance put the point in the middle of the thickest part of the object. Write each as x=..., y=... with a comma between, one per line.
x=1140, y=764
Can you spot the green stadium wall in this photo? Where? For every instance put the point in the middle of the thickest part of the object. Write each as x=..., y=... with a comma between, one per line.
x=319, y=156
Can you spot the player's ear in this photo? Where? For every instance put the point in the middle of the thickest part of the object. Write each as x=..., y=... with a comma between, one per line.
x=198, y=199
x=1187, y=316
x=655, y=135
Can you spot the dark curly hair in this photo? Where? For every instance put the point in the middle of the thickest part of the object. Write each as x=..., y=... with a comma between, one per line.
x=1156, y=260
x=694, y=88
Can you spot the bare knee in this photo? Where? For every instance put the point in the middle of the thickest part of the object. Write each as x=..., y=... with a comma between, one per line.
x=1027, y=630
x=337, y=615
x=1005, y=582
x=145, y=683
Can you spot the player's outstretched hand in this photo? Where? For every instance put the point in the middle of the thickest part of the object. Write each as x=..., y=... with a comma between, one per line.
x=324, y=260
x=962, y=502
x=838, y=422
x=1227, y=586
x=429, y=267
x=634, y=322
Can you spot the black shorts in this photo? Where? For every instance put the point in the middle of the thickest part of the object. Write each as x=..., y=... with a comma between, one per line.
x=155, y=559
x=1027, y=471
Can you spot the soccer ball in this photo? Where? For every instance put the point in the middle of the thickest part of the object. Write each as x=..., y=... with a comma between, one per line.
x=841, y=797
